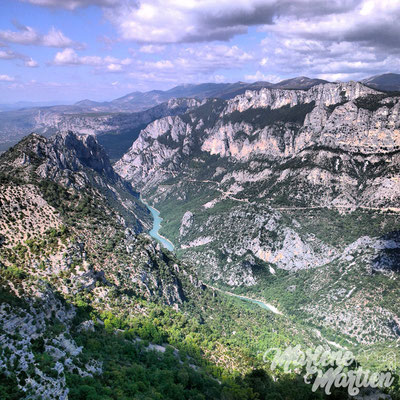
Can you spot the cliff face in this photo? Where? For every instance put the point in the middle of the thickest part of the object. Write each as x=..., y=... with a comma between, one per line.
x=338, y=133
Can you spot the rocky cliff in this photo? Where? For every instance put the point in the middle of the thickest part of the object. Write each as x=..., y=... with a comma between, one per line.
x=337, y=133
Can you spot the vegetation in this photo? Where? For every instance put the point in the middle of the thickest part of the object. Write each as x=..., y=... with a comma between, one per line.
x=262, y=117
x=373, y=102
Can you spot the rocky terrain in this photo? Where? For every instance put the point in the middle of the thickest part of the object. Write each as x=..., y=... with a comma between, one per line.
x=126, y=116
x=275, y=187
x=69, y=229
x=123, y=117
x=288, y=197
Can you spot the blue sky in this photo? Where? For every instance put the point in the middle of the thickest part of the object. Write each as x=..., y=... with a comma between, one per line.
x=68, y=50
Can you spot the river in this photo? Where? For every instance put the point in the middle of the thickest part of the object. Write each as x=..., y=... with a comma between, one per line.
x=154, y=233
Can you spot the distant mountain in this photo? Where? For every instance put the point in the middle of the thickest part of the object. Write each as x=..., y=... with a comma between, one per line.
x=300, y=83
x=385, y=82
x=139, y=101
x=28, y=104
x=116, y=131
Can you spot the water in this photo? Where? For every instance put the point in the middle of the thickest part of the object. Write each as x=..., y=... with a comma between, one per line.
x=268, y=307
x=154, y=233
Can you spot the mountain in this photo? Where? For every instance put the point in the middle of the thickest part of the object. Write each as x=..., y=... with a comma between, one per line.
x=119, y=121
x=288, y=195
x=300, y=83
x=92, y=307
x=386, y=82
x=116, y=131
x=29, y=104
x=137, y=101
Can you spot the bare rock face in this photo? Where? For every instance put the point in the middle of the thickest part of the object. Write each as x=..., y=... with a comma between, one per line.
x=186, y=223
x=156, y=144
x=274, y=125
x=324, y=94
x=239, y=135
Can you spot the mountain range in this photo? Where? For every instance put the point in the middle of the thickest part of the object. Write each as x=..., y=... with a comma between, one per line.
x=118, y=122
x=385, y=82
x=274, y=188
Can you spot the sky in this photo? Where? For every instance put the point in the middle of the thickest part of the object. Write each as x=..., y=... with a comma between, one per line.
x=69, y=50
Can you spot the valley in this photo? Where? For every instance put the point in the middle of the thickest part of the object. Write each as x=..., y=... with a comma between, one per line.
x=199, y=200
x=274, y=220
x=270, y=196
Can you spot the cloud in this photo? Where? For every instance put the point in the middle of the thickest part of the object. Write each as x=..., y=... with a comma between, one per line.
x=208, y=58
x=360, y=40
x=162, y=64
x=8, y=54
x=151, y=48
x=337, y=39
x=302, y=36
x=203, y=21
x=347, y=38
x=31, y=63
x=6, y=78
x=27, y=35
x=70, y=57
x=259, y=76
x=56, y=38
x=195, y=63
x=190, y=63
x=72, y=4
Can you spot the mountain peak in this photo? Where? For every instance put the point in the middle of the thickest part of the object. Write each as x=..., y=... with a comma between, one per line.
x=385, y=82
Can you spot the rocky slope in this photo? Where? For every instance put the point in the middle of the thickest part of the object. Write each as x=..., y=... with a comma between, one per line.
x=65, y=243
x=280, y=180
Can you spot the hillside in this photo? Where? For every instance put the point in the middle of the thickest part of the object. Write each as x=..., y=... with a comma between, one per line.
x=386, y=82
